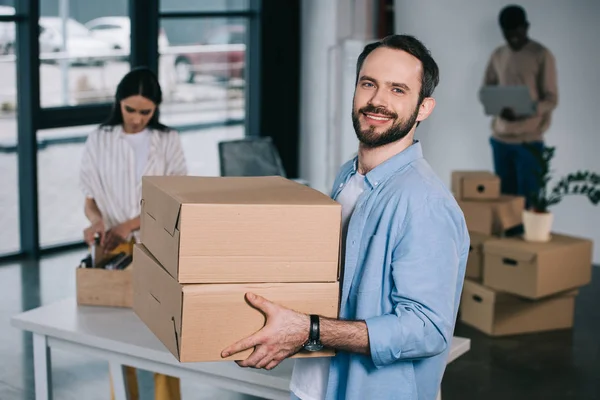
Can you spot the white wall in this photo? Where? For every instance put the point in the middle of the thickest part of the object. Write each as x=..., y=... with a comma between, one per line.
x=461, y=34
x=331, y=29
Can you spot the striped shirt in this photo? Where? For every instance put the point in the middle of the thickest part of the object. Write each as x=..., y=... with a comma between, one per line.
x=108, y=170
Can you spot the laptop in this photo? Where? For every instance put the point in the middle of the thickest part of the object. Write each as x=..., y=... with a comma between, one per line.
x=495, y=98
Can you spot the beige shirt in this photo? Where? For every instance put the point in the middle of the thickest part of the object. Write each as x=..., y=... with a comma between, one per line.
x=108, y=170
x=533, y=66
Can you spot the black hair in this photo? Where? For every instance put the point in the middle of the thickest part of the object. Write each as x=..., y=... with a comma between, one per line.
x=430, y=76
x=512, y=17
x=139, y=81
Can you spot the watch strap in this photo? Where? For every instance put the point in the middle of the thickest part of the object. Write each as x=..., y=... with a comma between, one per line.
x=315, y=333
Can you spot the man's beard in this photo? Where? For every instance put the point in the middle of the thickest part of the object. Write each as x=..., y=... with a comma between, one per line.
x=396, y=132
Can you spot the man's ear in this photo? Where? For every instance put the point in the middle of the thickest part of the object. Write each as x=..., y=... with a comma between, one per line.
x=426, y=108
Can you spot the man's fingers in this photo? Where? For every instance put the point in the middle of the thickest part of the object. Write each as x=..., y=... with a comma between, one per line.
x=261, y=303
x=244, y=344
x=265, y=361
x=272, y=364
x=259, y=354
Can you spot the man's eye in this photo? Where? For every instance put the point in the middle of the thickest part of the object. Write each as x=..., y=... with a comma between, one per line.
x=145, y=112
x=129, y=109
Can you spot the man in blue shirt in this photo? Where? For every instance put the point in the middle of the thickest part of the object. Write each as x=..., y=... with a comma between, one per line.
x=405, y=251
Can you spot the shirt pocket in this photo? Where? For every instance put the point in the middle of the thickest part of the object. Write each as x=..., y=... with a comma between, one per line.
x=372, y=269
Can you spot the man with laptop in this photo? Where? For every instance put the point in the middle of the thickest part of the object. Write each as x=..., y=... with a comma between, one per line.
x=521, y=65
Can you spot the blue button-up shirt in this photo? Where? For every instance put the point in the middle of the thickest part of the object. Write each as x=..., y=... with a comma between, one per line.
x=406, y=253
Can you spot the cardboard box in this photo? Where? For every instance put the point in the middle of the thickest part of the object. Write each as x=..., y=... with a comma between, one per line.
x=475, y=185
x=197, y=321
x=475, y=260
x=102, y=287
x=240, y=229
x=534, y=270
x=493, y=217
x=498, y=314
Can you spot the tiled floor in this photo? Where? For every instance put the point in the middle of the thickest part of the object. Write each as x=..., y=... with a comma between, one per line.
x=556, y=365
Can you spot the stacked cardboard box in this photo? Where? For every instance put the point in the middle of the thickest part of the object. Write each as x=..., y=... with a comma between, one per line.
x=513, y=286
x=206, y=242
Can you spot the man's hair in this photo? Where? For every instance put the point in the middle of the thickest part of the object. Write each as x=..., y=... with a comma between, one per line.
x=409, y=44
x=512, y=17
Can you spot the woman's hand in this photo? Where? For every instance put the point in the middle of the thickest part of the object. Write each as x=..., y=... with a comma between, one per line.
x=116, y=235
x=90, y=232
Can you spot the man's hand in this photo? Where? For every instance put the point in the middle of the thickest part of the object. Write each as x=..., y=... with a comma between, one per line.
x=283, y=335
x=115, y=236
x=508, y=114
x=96, y=227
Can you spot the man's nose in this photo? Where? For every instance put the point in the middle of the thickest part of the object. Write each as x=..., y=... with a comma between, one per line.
x=379, y=99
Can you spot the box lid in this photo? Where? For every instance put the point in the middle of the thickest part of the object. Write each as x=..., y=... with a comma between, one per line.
x=163, y=196
x=519, y=249
x=482, y=293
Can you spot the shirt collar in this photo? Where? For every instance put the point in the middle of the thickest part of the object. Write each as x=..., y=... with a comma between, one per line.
x=395, y=163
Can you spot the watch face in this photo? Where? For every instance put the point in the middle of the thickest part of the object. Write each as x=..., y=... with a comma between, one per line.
x=313, y=346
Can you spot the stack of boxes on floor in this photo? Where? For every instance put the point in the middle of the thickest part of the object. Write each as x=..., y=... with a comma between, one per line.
x=206, y=242
x=513, y=286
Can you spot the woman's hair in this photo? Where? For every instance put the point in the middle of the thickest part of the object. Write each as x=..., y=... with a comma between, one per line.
x=139, y=81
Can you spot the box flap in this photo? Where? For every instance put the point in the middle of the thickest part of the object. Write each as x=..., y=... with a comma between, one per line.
x=163, y=205
x=157, y=299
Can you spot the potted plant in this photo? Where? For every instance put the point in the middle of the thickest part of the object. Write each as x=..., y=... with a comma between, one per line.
x=537, y=220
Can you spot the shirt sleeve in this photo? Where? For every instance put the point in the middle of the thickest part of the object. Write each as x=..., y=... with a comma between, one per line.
x=548, y=86
x=426, y=271
x=490, y=77
x=89, y=175
x=176, y=164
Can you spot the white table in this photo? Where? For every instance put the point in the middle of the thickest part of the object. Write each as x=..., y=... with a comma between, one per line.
x=120, y=337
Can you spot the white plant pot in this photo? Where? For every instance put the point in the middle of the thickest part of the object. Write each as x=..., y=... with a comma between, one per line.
x=537, y=226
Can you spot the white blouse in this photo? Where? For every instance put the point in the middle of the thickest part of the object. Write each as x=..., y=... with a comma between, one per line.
x=108, y=170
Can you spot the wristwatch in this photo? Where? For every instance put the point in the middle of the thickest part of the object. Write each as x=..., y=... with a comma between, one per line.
x=314, y=342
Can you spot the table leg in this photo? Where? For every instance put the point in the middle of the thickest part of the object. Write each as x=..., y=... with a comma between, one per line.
x=119, y=380
x=42, y=367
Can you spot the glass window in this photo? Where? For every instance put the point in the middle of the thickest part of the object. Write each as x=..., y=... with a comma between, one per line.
x=9, y=194
x=202, y=72
x=7, y=32
x=60, y=201
x=203, y=6
x=82, y=55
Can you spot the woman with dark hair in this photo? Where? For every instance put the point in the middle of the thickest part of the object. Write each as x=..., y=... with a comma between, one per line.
x=130, y=144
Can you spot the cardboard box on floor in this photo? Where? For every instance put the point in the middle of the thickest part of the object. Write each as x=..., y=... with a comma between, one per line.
x=475, y=185
x=535, y=270
x=498, y=314
x=197, y=321
x=102, y=287
x=493, y=217
x=240, y=229
x=475, y=260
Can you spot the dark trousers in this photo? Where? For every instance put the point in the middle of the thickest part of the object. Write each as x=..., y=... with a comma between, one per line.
x=515, y=166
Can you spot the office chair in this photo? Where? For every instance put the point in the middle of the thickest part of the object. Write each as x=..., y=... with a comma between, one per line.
x=255, y=156
x=250, y=157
